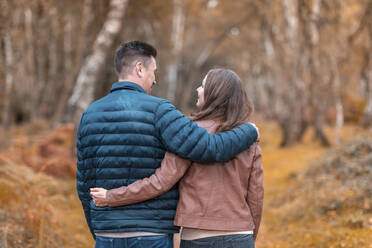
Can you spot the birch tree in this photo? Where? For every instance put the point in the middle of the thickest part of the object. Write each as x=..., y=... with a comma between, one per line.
x=84, y=89
x=74, y=64
x=367, y=77
x=367, y=118
x=8, y=62
x=364, y=32
x=178, y=27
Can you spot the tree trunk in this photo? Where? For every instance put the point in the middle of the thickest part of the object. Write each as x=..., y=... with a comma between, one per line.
x=29, y=87
x=338, y=99
x=286, y=132
x=177, y=41
x=286, y=109
x=84, y=89
x=49, y=95
x=41, y=51
x=318, y=126
x=8, y=62
x=302, y=129
x=367, y=116
x=315, y=68
x=71, y=77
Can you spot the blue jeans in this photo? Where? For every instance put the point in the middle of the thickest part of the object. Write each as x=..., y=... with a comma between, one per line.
x=159, y=241
x=226, y=241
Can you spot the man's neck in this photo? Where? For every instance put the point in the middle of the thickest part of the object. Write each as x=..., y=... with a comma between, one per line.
x=131, y=79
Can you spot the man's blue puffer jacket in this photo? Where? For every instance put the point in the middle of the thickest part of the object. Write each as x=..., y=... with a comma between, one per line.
x=123, y=137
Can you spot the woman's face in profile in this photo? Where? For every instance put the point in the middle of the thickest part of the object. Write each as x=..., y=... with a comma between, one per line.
x=200, y=91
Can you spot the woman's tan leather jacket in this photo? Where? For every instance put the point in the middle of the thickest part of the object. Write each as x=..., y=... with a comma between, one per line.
x=220, y=196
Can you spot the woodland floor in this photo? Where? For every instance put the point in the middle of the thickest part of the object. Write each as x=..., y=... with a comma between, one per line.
x=303, y=207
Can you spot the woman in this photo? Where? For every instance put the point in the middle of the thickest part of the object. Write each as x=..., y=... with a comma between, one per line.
x=220, y=204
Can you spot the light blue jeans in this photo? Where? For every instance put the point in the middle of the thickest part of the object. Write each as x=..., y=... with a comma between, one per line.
x=158, y=241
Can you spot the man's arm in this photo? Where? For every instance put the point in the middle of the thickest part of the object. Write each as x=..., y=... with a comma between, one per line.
x=256, y=190
x=184, y=137
x=172, y=169
x=81, y=182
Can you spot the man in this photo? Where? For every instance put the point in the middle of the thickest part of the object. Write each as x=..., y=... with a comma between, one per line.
x=123, y=137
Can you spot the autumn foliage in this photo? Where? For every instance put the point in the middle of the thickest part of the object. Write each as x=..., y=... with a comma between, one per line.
x=303, y=188
x=39, y=205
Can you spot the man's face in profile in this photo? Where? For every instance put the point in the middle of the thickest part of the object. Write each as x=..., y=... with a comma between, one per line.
x=149, y=75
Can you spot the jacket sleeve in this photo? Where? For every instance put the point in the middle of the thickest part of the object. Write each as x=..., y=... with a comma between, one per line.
x=81, y=181
x=172, y=169
x=184, y=137
x=256, y=190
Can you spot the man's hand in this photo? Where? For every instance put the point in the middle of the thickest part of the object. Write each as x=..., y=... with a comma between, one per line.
x=99, y=196
x=258, y=133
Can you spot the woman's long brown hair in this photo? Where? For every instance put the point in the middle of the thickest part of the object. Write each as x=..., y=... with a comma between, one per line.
x=225, y=100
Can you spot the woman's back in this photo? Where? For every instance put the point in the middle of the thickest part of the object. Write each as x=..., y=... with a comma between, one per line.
x=222, y=196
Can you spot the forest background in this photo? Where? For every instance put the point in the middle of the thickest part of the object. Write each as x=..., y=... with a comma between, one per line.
x=306, y=66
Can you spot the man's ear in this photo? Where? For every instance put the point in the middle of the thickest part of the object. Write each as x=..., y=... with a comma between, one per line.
x=139, y=69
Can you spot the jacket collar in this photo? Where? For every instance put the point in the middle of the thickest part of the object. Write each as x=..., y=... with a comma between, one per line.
x=126, y=85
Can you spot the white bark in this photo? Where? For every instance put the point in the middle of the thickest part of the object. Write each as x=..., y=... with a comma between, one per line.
x=177, y=41
x=339, y=120
x=31, y=70
x=41, y=55
x=8, y=79
x=178, y=26
x=68, y=44
x=84, y=89
x=269, y=48
x=290, y=12
x=8, y=54
x=367, y=119
x=338, y=94
x=315, y=17
x=339, y=105
x=290, y=8
x=204, y=55
x=87, y=17
x=49, y=95
x=172, y=75
x=368, y=112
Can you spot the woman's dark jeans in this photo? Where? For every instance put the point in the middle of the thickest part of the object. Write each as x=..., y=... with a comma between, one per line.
x=160, y=241
x=226, y=241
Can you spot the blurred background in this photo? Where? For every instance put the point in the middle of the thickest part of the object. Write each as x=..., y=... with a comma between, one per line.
x=306, y=65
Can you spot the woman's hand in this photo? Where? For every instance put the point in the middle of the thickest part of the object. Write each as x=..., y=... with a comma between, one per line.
x=99, y=196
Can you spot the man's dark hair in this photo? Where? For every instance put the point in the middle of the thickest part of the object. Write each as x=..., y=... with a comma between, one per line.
x=131, y=51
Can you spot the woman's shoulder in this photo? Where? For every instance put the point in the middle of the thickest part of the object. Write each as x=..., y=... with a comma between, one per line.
x=251, y=152
x=255, y=146
x=209, y=125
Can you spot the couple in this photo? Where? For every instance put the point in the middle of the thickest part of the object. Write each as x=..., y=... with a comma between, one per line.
x=133, y=148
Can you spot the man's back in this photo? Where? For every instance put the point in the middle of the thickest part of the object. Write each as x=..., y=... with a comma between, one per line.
x=118, y=144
